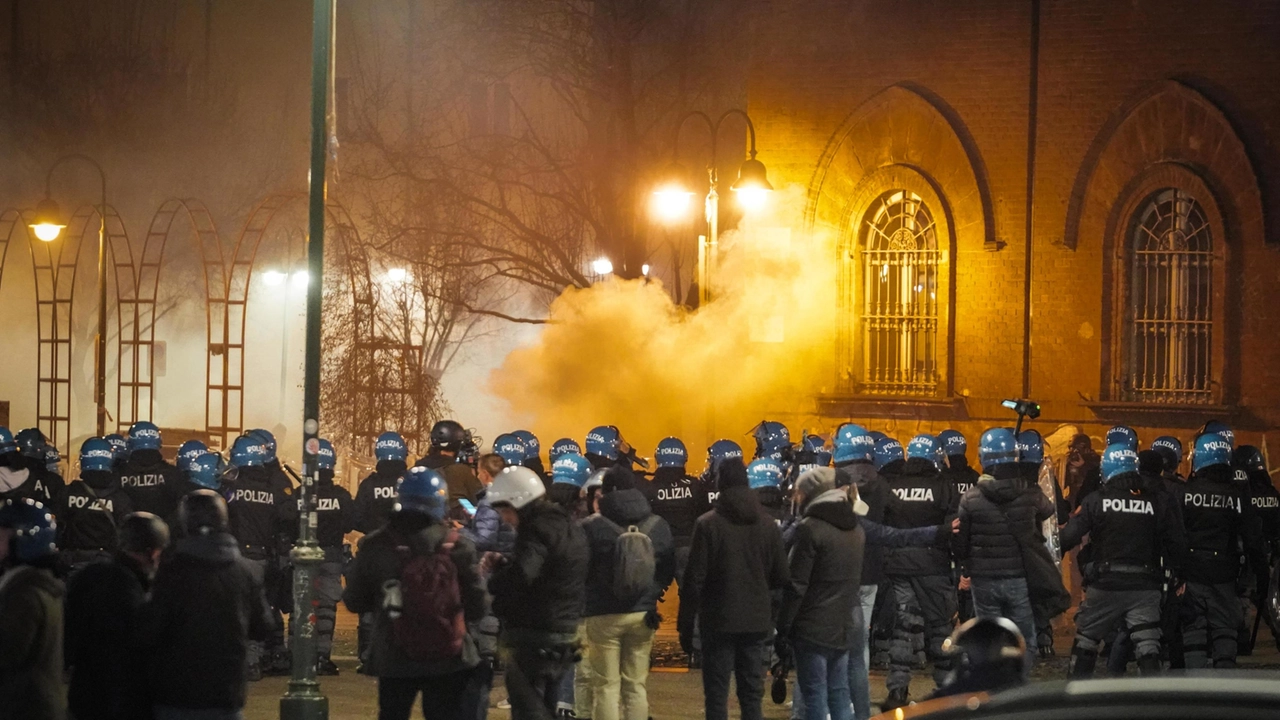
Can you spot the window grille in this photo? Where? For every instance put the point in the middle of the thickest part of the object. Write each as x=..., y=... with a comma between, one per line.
x=1171, y=302
x=900, y=308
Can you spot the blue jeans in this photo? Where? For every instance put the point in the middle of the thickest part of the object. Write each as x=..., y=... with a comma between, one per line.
x=860, y=654
x=1008, y=598
x=823, y=676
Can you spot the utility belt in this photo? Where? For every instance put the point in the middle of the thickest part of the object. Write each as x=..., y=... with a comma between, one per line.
x=1096, y=571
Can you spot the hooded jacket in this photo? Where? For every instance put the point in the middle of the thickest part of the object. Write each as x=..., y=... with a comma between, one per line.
x=826, y=571
x=108, y=672
x=538, y=593
x=376, y=496
x=922, y=498
x=31, y=659
x=205, y=607
x=993, y=515
x=90, y=511
x=152, y=484
x=382, y=556
x=624, y=508
x=736, y=561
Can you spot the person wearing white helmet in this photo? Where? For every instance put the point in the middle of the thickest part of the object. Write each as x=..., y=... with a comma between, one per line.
x=538, y=592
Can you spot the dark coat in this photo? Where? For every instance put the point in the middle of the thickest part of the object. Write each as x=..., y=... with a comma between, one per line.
x=826, y=573
x=922, y=497
x=382, y=556
x=205, y=607
x=488, y=532
x=736, y=561
x=874, y=491
x=624, y=508
x=152, y=484
x=102, y=607
x=538, y=594
x=993, y=515
x=376, y=496
x=31, y=645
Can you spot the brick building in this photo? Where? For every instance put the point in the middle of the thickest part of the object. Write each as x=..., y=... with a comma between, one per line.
x=1071, y=200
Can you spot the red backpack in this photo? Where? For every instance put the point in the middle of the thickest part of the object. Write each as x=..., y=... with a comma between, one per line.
x=431, y=626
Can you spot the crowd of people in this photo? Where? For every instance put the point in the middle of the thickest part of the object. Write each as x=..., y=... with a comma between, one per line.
x=150, y=589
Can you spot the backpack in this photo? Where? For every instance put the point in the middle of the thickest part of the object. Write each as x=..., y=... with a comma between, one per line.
x=431, y=626
x=634, y=563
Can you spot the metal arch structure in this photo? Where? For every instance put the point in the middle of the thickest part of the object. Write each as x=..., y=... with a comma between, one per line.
x=9, y=220
x=225, y=388
x=137, y=285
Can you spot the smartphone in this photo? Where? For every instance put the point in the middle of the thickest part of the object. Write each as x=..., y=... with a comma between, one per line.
x=466, y=505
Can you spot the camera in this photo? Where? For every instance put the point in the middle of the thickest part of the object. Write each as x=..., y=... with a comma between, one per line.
x=1026, y=408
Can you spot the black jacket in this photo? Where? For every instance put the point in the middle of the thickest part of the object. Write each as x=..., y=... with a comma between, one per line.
x=1132, y=533
x=993, y=515
x=382, y=556
x=258, y=512
x=1266, y=505
x=31, y=660
x=376, y=496
x=107, y=671
x=90, y=511
x=24, y=477
x=736, y=561
x=826, y=572
x=624, y=508
x=874, y=491
x=922, y=498
x=539, y=592
x=335, y=513
x=959, y=474
x=152, y=484
x=673, y=496
x=1218, y=516
x=205, y=607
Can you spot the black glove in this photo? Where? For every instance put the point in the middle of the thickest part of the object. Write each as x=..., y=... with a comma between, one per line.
x=782, y=648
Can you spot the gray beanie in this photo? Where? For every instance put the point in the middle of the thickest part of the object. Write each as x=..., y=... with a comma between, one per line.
x=815, y=482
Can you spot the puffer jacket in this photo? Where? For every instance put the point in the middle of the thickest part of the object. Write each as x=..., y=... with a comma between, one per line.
x=622, y=509
x=538, y=594
x=994, y=513
x=826, y=571
x=31, y=659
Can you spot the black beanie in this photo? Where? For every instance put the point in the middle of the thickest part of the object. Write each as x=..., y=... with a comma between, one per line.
x=618, y=477
x=731, y=473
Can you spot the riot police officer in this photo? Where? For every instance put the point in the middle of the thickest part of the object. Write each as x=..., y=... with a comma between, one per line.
x=257, y=511
x=119, y=450
x=205, y=471
x=152, y=484
x=765, y=478
x=279, y=478
x=1266, y=507
x=919, y=578
x=374, y=503
x=1134, y=534
x=563, y=446
x=31, y=477
x=532, y=453
x=673, y=498
x=604, y=445
x=719, y=451
x=510, y=448
x=92, y=507
x=189, y=451
x=957, y=470
x=335, y=517
x=1219, y=517
x=448, y=438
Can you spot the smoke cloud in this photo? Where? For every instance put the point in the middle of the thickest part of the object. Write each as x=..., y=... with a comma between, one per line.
x=623, y=353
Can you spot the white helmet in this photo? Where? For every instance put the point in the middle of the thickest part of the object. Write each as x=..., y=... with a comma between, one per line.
x=516, y=486
x=596, y=480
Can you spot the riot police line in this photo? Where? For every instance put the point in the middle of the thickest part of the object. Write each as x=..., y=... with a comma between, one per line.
x=886, y=547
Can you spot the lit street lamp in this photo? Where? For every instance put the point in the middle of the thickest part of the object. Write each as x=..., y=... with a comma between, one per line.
x=47, y=225
x=672, y=197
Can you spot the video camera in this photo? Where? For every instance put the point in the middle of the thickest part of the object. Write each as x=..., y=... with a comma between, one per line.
x=1025, y=409
x=469, y=453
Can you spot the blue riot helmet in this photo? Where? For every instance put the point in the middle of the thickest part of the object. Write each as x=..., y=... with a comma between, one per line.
x=1210, y=449
x=818, y=447
x=423, y=490
x=35, y=534
x=848, y=430
x=190, y=450
x=7, y=445
x=1169, y=447
x=571, y=469
x=326, y=458
x=1122, y=435
x=31, y=443
x=876, y=435
x=119, y=447
x=722, y=450
x=532, y=448
x=268, y=442
x=96, y=455
x=924, y=447
x=887, y=450
x=248, y=451
x=854, y=446
x=671, y=453
x=604, y=441
x=1030, y=447
x=509, y=447
x=144, y=435
x=773, y=439
x=763, y=473
x=205, y=470
x=51, y=459
x=1118, y=459
x=390, y=446
x=997, y=447
x=953, y=442
x=564, y=446
x=1217, y=427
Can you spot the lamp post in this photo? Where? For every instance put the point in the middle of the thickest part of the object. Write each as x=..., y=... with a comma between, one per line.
x=47, y=226
x=672, y=196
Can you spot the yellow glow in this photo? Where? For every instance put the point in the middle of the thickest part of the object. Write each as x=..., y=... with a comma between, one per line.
x=752, y=198
x=273, y=278
x=397, y=275
x=47, y=231
x=602, y=266
x=671, y=203
x=644, y=270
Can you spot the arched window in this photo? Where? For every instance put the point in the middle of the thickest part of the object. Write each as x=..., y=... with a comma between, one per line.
x=1170, y=307
x=900, y=261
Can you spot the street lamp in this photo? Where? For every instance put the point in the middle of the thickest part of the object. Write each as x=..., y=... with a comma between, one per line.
x=47, y=225
x=671, y=199
x=602, y=266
